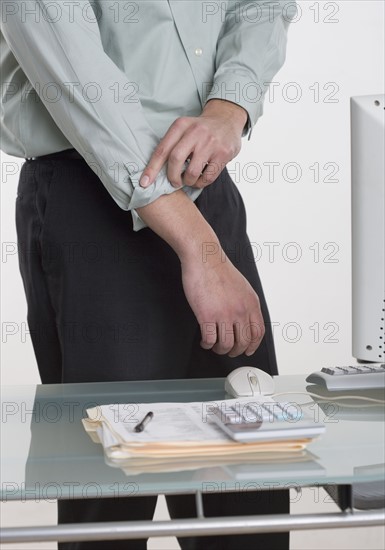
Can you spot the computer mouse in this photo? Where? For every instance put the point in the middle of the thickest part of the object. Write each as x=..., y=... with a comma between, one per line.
x=249, y=381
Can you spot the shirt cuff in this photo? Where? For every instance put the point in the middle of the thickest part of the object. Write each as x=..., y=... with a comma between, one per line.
x=142, y=196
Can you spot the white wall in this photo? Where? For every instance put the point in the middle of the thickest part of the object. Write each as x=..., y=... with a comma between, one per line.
x=327, y=62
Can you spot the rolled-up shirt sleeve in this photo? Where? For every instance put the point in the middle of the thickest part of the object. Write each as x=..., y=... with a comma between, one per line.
x=64, y=48
x=251, y=49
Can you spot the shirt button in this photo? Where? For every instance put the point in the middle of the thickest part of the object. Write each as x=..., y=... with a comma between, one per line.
x=198, y=51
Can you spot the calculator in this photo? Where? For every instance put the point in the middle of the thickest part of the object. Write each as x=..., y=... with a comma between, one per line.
x=265, y=419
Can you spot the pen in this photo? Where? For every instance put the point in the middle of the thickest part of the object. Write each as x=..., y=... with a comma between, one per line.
x=140, y=427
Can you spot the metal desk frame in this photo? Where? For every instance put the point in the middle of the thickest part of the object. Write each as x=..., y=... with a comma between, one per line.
x=199, y=526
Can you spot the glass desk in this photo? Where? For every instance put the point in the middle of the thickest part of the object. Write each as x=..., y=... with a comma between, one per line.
x=46, y=454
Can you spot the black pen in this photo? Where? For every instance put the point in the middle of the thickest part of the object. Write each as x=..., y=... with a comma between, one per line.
x=140, y=427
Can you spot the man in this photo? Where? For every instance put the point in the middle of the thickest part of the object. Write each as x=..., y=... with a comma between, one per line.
x=144, y=102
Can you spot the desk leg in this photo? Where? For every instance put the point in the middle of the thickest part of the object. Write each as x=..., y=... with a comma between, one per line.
x=342, y=495
x=199, y=504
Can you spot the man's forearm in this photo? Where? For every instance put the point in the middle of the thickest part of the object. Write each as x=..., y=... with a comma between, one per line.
x=177, y=220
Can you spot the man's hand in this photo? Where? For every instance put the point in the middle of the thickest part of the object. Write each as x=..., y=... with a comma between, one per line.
x=223, y=301
x=225, y=305
x=208, y=142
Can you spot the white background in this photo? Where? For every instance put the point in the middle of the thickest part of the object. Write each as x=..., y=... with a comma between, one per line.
x=305, y=121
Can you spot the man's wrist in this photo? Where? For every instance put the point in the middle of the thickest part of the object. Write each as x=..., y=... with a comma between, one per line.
x=227, y=109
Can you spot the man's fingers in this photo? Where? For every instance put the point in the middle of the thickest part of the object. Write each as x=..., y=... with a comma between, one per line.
x=209, y=335
x=255, y=333
x=210, y=173
x=177, y=159
x=236, y=338
x=219, y=337
x=225, y=337
x=161, y=153
x=211, y=148
x=232, y=339
x=240, y=343
x=157, y=160
x=199, y=163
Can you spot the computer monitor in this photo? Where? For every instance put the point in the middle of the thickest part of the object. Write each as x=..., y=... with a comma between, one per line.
x=368, y=227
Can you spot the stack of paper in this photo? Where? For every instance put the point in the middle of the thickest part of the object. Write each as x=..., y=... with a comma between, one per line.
x=181, y=431
x=233, y=462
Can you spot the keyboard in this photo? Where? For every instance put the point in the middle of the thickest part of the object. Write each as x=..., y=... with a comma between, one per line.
x=352, y=377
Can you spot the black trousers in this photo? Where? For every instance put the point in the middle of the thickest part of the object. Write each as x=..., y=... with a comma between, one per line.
x=106, y=303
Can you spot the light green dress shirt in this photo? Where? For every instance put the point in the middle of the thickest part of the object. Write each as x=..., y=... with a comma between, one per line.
x=109, y=77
